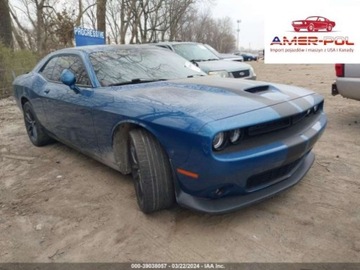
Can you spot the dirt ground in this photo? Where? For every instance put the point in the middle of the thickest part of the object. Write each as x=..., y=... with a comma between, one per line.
x=57, y=205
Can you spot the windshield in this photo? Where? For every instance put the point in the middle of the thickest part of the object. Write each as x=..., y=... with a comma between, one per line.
x=122, y=66
x=194, y=52
x=311, y=18
x=212, y=49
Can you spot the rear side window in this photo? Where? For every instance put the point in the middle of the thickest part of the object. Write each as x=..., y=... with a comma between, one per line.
x=47, y=70
x=52, y=70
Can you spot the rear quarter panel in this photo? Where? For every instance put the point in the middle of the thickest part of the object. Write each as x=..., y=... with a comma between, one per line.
x=28, y=87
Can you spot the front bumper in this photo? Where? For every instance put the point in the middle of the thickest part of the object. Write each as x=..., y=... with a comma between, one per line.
x=230, y=204
x=253, y=77
x=249, y=173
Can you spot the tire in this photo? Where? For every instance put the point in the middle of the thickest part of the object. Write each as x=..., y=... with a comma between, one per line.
x=151, y=172
x=329, y=28
x=297, y=29
x=311, y=27
x=34, y=129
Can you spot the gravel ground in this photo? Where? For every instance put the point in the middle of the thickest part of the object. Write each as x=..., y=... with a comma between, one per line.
x=57, y=205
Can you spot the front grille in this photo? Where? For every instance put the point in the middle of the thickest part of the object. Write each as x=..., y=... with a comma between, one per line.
x=276, y=125
x=270, y=176
x=269, y=127
x=276, y=130
x=241, y=73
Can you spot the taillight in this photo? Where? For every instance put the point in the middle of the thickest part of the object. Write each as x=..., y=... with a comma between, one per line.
x=339, y=69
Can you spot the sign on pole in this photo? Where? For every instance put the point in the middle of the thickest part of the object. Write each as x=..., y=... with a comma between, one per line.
x=84, y=36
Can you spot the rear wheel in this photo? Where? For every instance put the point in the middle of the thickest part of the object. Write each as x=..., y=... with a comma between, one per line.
x=34, y=129
x=297, y=29
x=151, y=172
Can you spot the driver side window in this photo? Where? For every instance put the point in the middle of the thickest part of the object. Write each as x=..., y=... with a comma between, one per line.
x=52, y=70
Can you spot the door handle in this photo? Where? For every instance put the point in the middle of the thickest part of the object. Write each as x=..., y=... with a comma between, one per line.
x=46, y=91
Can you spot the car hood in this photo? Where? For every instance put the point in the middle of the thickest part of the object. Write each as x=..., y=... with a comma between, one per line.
x=203, y=99
x=216, y=65
x=229, y=56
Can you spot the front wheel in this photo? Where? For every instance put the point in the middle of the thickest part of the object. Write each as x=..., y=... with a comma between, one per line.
x=151, y=172
x=329, y=28
x=34, y=129
x=311, y=28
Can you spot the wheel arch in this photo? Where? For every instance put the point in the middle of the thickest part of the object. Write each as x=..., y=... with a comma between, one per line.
x=23, y=100
x=120, y=140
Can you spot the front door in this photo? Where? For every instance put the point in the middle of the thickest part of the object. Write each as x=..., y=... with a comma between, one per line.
x=69, y=114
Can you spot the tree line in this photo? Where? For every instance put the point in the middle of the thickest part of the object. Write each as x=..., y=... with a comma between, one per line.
x=45, y=25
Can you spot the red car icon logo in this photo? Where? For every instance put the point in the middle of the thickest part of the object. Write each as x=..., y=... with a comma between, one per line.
x=313, y=23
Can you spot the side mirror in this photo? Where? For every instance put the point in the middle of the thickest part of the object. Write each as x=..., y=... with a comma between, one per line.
x=68, y=78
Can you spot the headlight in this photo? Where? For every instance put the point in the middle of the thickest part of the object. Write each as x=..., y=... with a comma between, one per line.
x=235, y=136
x=308, y=112
x=316, y=108
x=220, y=73
x=219, y=141
x=252, y=71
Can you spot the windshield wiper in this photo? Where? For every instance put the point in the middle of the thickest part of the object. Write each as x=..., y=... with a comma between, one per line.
x=195, y=61
x=135, y=81
x=196, y=75
x=212, y=59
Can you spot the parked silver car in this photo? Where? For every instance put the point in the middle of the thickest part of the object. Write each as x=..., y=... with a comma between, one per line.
x=225, y=56
x=208, y=62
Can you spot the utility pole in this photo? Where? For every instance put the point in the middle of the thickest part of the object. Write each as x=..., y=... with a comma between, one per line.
x=238, y=32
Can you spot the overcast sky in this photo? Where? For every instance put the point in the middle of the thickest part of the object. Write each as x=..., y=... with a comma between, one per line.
x=254, y=13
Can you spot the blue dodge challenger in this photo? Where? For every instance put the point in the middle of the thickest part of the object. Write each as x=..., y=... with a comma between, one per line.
x=208, y=143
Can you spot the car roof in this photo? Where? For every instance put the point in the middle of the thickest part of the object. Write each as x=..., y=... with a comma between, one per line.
x=90, y=49
x=316, y=17
x=97, y=48
x=175, y=42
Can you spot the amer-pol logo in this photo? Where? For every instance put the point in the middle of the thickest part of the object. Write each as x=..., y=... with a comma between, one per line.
x=313, y=23
x=315, y=39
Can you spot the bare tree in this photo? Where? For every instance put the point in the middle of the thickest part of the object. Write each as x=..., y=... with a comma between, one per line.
x=156, y=19
x=202, y=27
x=89, y=17
x=35, y=12
x=38, y=25
x=5, y=24
x=101, y=15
